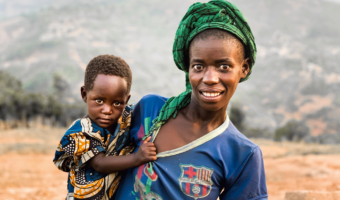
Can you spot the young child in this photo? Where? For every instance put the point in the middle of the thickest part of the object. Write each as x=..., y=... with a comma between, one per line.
x=95, y=148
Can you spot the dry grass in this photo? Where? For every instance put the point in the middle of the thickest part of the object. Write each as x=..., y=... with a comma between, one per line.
x=272, y=149
x=26, y=166
x=28, y=172
x=43, y=140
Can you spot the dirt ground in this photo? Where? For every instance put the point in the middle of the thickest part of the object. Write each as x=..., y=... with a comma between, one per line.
x=27, y=171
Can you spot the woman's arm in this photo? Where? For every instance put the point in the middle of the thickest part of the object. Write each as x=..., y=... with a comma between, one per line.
x=110, y=164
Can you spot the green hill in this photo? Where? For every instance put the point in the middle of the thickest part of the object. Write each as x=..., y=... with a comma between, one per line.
x=297, y=74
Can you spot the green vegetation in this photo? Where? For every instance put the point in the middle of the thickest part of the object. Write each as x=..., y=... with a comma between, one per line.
x=292, y=131
x=298, y=48
x=237, y=116
x=19, y=105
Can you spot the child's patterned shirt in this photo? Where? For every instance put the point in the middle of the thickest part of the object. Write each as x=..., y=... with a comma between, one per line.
x=81, y=142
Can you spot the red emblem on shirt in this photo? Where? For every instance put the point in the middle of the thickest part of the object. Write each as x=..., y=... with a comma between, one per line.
x=195, y=181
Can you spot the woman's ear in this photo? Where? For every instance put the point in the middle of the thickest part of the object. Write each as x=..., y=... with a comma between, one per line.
x=245, y=67
x=83, y=93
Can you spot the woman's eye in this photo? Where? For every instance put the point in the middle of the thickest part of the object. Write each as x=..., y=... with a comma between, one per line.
x=117, y=104
x=224, y=67
x=198, y=67
x=99, y=101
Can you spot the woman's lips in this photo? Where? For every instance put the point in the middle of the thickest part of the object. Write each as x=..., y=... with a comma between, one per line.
x=211, y=96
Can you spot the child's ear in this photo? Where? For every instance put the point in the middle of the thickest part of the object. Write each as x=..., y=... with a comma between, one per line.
x=83, y=93
x=245, y=68
x=127, y=99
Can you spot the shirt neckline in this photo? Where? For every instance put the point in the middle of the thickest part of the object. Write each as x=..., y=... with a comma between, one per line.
x=201, y=140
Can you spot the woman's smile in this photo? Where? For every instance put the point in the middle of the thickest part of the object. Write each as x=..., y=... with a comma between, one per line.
x=211, y=96
x=215, y=70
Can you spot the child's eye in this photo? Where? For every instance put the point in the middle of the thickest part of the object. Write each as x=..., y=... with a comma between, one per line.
x=224, y=67
x=198, y=67
x=117, y=104
x=99, y=101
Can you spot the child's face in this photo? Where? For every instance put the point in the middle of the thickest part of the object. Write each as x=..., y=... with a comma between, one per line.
x=106, y=100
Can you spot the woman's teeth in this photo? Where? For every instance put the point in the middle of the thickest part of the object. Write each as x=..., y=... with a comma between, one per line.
x=211, y=94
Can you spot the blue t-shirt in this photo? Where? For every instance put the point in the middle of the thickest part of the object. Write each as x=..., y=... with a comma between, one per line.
x=223, y=163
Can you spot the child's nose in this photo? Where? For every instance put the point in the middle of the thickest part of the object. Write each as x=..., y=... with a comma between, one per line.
x=107, y=110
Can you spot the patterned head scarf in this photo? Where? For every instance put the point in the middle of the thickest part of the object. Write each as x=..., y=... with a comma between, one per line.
x=201, y=16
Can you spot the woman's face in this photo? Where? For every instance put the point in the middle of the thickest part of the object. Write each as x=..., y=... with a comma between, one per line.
x=215, y=69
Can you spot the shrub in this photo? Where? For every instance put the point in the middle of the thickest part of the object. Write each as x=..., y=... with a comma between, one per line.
x=237, y=116
x=292, y=131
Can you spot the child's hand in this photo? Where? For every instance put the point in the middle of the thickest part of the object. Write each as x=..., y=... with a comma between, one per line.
x=146, y=152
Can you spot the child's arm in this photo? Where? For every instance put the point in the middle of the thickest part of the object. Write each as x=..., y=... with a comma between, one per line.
x=62, y=160
x=110, y=164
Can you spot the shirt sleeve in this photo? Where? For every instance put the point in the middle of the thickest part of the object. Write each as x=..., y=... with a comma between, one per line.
x=61, y=160
x=136, y=131
x=251, y=181
x=75, y=149
x=144, y=112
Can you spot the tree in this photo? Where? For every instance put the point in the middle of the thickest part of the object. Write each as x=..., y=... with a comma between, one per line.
x=292, y=131
x=237, y=116
x=10, y=98
x=60, y=86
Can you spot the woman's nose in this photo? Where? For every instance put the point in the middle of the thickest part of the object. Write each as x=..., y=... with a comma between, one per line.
x=210, y=76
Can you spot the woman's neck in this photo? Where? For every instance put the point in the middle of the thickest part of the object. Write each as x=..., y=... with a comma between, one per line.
x=196, y=114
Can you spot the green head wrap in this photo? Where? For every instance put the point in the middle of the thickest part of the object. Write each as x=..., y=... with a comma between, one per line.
x=201, y=16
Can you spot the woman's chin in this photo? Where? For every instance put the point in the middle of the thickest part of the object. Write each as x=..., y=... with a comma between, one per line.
x=212, y=107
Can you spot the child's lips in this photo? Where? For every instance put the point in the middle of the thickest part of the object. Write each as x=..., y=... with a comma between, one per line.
x=105, y=121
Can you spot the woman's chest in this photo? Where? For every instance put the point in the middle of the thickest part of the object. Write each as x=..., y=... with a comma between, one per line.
x=193, y=174
x=175, y=134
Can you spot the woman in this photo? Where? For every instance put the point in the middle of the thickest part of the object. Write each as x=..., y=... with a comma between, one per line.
x=200, y=153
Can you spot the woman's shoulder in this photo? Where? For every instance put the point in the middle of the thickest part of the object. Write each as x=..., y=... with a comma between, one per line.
x=149, y=105
x=238, y=138
x=153, y=98
x=152, y=101
x=232, y=144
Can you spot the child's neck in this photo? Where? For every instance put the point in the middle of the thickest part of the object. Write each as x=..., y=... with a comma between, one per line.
x=112, y=128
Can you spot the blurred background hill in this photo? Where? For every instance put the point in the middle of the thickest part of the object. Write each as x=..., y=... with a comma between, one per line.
x=293, y=93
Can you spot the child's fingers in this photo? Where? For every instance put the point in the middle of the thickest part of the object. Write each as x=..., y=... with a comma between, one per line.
x=149, y=149
x=152, y=149
x=152, y=158
x=147, y=140
x=150, y=144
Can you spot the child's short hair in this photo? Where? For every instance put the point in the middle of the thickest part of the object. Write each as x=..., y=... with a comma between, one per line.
x=108, y=65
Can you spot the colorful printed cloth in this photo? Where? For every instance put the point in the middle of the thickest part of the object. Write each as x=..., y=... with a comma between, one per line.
x=222, y=163
x=81, y=142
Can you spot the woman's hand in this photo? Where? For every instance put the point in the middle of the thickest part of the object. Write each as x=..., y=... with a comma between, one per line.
x=146, y=152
